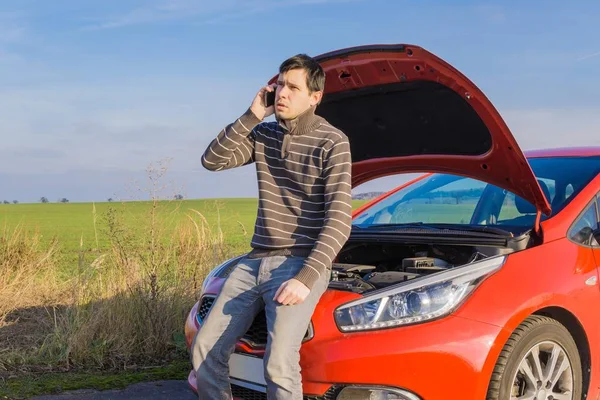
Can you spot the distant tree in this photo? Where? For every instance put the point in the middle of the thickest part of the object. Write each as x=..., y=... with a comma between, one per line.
x=6, y=202
x=178, y=197
x=110, y=199
x=44, y=199
x=64, y=200
x=15, y=201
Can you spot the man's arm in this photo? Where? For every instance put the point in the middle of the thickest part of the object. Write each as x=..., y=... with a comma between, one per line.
x=337, y=178
x=234, y=146
x=337, y=223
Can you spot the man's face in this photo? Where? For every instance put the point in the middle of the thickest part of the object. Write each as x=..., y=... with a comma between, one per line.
x=292, y=96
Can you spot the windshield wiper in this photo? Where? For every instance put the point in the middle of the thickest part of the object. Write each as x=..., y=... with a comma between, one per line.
x=436, y=228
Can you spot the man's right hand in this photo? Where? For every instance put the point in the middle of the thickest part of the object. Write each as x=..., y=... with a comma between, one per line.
x=258, y=106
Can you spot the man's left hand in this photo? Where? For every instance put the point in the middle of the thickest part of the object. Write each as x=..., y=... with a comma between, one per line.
x=291, y=292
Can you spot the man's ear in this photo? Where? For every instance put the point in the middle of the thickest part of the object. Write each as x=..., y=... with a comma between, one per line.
x=315, y=98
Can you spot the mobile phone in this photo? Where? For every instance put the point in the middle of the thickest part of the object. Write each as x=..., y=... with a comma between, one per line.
x=269, y=98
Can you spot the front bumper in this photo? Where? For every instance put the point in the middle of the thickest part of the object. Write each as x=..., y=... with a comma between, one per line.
x=451, y=358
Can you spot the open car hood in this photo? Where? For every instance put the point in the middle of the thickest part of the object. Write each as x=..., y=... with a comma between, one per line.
x=406, y=110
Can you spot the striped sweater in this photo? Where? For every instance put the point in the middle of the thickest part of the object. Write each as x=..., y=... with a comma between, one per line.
x=304, y=183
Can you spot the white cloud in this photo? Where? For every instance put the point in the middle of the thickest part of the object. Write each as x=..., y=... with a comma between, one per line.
x=203, y=11
x=548, y=128
x=12, y=32
x=491, y=12
x=112, y=127
x=589, y=56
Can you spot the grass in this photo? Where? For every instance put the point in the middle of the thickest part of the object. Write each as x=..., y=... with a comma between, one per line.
x=28, y=386
x=71, y=222
x=94, y=290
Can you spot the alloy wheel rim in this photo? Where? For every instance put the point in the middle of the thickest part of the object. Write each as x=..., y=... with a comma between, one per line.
x=544, y=373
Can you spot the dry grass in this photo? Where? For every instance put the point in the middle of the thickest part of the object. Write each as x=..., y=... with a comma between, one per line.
x=28, y=279
x=26, y=270
x=119, y=309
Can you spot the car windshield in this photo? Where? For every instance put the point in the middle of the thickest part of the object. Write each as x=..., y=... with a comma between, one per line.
x=456, y=200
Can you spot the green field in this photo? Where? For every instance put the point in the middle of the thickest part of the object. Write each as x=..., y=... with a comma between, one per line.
x=72, y=222
x=76, y=223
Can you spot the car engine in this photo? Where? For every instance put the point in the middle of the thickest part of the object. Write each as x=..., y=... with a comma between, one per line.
x=363, y=267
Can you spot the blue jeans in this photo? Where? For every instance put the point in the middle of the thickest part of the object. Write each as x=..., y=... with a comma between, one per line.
x=249, y=288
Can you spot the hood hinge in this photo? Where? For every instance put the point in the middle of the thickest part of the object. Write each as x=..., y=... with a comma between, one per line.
x=537, y=227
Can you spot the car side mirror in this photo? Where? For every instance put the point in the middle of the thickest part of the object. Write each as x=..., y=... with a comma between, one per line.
x=596, y=235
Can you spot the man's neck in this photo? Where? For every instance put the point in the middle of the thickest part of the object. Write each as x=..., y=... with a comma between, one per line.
x=289, y=123
x=302, y=124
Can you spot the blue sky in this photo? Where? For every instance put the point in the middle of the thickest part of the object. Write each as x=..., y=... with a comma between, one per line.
x=94, y=92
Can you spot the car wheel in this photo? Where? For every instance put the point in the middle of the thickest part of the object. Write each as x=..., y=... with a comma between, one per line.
x=539, y=361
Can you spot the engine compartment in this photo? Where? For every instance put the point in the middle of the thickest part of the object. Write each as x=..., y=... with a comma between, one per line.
x=362, y=267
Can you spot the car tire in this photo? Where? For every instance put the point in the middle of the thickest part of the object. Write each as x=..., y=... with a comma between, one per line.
x=535, y=335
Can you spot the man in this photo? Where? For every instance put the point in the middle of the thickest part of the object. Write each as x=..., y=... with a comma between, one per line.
x=303, y=168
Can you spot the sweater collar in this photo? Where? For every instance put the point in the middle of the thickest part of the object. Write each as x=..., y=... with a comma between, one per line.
x=304, y=123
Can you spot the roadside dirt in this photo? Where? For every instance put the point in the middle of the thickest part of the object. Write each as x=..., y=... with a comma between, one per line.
x=159, y=390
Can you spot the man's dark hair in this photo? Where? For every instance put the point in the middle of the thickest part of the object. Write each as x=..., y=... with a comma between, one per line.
x=315, y=76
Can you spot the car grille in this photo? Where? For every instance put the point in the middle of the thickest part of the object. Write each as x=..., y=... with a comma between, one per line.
x=256, y=336
x=257, y=333
x=205, y=306
x=249, y=394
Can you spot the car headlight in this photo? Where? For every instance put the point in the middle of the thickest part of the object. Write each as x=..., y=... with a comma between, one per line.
x=415, y=301
x=216, y=271
x=379, y=393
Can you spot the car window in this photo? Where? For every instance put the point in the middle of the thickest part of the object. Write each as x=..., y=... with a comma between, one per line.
x=582, y=230
x=452, y=203
x=516, y=210
x=551, y=185
x=508, y=211
x=569, y=191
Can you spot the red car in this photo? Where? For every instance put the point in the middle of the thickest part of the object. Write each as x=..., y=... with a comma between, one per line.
x=478, y=280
